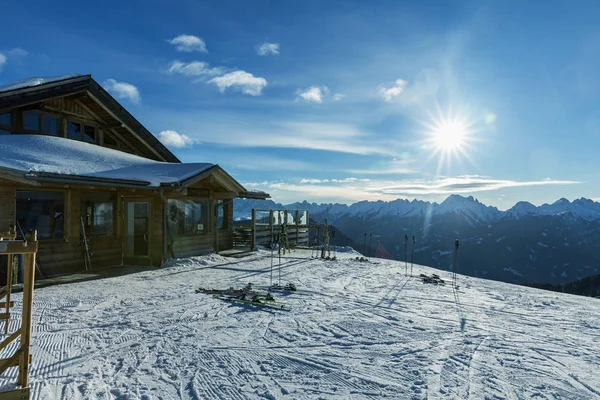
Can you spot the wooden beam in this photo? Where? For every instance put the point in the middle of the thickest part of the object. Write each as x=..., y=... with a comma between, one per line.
x=10, y=304
x=133, y=132
x=18, y=247
x=10, y=339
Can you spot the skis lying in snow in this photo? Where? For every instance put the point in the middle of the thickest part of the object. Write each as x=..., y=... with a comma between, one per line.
x=231, y=291
x=258, y=301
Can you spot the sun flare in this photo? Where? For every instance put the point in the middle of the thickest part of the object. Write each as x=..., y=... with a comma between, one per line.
x=449, y=138
x=449, y=135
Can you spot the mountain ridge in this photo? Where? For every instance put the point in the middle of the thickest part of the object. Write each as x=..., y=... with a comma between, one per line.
x=468, y=207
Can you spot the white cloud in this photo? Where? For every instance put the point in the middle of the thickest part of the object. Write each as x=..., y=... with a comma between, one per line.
x=314, y=93
x=2, y=61
x=189, y=43
x=193, y=68
x=268, y=48
x=241, y=80
x=175, y=139
x=314, y=180
x=123, y=90
x=338, y=96
x=388, y=93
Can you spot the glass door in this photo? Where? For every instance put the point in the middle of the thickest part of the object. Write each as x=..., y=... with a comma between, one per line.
x=137, y=228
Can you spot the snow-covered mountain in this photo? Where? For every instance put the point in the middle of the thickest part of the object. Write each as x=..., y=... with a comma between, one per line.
x=468, y=207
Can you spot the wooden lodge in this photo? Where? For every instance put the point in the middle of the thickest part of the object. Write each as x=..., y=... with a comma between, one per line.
x=98, y=186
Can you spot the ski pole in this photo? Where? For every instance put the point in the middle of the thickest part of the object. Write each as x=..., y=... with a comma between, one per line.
x=405, y=255
x=272, y=247
x=455, y=263
x=365, y=245
x=370, y=243
x=412, y=258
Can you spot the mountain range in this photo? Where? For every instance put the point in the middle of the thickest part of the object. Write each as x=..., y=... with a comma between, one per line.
x=553, y=243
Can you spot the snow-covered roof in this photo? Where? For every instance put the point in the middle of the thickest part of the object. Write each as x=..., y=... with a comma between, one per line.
x=35, y=81
x=35, y=154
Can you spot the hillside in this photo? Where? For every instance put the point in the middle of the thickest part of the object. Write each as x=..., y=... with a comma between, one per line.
x=553, y=243
x=355, y=330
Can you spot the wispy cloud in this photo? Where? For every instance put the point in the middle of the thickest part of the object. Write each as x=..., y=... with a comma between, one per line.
x=123, y=90
x=188, y=43
x=243, y=130
x=389, y=92
x=459, y=184
x=266, y=49
x=338, y=96
x=393, y=167
x=355, y=189
x=240, y=80
x=2, y=61
x=193, y=68
x=314, y=93
x=175, y=139
x=17, y=52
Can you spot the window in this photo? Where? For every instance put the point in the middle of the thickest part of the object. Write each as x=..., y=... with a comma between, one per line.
x=98, y=213
x=31, y=121
x=222, y=214
x=50, y=125
x=6, y=119
x=74, y=130
x=188, y=217
x=42, y=211
x=89, y=134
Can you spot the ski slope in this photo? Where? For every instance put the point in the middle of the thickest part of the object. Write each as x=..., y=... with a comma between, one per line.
x=355, y=331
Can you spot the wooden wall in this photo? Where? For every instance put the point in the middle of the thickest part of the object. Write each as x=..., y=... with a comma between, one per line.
x=7, y=205
x=66, y=255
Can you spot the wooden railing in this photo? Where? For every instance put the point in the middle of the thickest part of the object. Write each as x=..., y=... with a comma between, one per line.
x=21, y=357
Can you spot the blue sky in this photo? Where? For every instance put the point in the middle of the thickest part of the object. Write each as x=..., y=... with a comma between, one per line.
x=344, y=101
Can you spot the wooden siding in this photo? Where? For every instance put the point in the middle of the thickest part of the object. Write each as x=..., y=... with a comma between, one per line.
x=7, y=205
x=188, y=246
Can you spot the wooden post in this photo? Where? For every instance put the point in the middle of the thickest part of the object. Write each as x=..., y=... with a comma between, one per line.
x=28, y=285
x=253, y=238
x=297, y=227
x=9, y=282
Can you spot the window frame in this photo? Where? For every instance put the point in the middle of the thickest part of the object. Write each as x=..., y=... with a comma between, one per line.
x=82, y=124
x=83, y=204
x=41, y=115
x=223, y=205
x=181, y=231
x=8, y=128
x=66, y=204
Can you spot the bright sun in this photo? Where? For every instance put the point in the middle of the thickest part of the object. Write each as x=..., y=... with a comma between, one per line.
x=449, y=135
x=449, y=138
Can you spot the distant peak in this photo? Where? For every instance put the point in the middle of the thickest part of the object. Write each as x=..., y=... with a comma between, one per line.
x=562, y=201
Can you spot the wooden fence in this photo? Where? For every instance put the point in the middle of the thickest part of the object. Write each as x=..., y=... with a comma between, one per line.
x=266, y=223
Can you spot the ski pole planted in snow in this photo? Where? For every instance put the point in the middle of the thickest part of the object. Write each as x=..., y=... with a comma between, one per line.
x=365, y=245
x=405, y=255
x=412, y=258
x=370, y=243
x=455, y=266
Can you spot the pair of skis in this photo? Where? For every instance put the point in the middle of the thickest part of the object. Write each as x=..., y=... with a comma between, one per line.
x=265, y=301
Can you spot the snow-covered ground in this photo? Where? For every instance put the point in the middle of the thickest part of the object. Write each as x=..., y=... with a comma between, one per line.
x=355, y=331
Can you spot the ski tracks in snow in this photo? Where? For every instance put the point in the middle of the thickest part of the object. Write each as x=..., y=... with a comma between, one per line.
x=356, y=330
